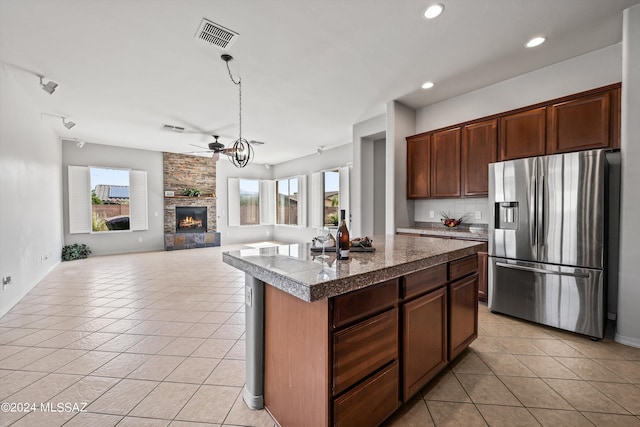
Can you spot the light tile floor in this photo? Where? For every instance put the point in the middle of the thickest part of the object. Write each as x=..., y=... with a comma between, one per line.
x=157, y=339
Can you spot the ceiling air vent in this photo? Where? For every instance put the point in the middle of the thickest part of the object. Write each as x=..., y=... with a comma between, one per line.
x=212, y=33
x=173, y=128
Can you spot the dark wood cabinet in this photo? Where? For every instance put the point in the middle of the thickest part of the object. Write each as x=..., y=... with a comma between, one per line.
x=352, y=359
x=453, y=161
x=363, y=348
x=479, y=148
x=463, y=314
x=424, y=340
x=580, y=124
x=371, y=402
x=522, y=134
x=418, y=167
x=445, y=163
x=483, y=279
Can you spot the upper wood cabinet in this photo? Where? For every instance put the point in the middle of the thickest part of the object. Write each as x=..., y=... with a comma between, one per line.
x=445, y=163
x=522, y=134
x=580, y=124
x=479, y=148
x=453, y=161
x=418, y=166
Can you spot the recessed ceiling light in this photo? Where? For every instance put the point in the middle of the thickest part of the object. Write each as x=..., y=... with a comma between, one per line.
x=427, y=85
x=433, y=11
x=536, y=41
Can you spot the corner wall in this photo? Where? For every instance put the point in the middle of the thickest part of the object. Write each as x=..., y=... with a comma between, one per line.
x=362, y=192
x=30, y=193
x=628, y=321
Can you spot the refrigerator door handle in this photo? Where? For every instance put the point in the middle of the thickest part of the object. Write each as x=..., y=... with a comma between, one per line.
x=540, y=270
x=542, y=216
x=533, y=235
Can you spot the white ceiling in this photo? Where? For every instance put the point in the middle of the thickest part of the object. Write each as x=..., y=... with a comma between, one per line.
x=310, y=69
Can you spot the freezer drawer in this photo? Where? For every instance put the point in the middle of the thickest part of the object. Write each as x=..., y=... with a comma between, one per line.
x=564, y=297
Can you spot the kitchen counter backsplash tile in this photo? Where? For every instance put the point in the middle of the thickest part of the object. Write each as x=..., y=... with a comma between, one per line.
x=295, y=269
x=478, y=232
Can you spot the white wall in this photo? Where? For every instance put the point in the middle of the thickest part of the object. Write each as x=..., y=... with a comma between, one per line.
x=628, y=322
x=589, y=71
x=252, y=233
x=330, y=159
x=30, y=193
x=379, y=184
x=401, y=122
x=456, y=208
x=118, y=157
x=362, y=191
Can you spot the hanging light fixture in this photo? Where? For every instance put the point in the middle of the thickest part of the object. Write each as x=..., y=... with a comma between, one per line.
x=241, y=151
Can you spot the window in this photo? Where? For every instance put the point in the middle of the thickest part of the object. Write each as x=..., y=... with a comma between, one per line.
x=331, y=197
x=249, y=201
x=107, y=199
x=110, y=195
x=287, y=202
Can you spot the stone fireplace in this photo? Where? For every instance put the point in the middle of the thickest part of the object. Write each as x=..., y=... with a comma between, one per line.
x=189, y=222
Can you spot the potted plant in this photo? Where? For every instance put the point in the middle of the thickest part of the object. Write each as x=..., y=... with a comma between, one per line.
x=75, y=251
x=191, y=192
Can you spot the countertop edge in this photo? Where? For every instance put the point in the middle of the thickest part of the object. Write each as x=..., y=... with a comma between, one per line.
x=462, y=235
x=341, y=286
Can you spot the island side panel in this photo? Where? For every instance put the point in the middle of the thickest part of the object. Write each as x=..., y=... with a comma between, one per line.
x=296, y=384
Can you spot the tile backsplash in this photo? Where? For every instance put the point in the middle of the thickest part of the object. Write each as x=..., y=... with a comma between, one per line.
x=454, y=207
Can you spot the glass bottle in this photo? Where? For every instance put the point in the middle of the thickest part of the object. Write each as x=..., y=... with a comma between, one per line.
x=342, y=238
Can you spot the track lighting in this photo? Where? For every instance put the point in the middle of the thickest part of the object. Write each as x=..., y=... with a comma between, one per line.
x=49, y=87
x=68, y=124
x=320, y=149
x=80, y=143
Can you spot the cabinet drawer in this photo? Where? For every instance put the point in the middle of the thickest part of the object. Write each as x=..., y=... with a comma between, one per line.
x=359, y=304
x=363, y=348
x=424, y=280
x=371, y=402
x=463, y=266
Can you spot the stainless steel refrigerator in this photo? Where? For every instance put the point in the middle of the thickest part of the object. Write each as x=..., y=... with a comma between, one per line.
x=548, y=253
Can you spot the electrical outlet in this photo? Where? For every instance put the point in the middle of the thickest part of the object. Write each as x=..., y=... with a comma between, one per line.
x=140, y=239
x=432, y=214
x=478, y=214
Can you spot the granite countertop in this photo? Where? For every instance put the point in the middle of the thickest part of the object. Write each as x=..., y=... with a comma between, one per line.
x=478, y=232
x=294, y=269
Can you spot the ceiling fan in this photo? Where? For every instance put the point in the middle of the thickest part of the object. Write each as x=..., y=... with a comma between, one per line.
x=241, y=149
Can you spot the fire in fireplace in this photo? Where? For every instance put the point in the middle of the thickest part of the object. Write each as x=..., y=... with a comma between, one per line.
x=191, y=219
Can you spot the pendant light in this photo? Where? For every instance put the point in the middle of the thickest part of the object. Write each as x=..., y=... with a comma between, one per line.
x=242, y=152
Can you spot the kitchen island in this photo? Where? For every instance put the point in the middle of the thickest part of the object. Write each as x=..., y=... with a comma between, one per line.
x=347, y=342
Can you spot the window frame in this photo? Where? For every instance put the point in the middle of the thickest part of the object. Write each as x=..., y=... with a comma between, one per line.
x=288, y=208
x=257, y=207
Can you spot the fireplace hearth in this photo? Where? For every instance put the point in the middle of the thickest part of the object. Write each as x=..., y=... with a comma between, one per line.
x=191, y=219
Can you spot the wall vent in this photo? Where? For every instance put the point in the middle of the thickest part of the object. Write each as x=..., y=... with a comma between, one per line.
x=212, y=33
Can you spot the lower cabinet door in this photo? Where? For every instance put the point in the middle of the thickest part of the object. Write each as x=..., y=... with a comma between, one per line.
x=424, y=340
x=463, y=314
x=371, y=402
